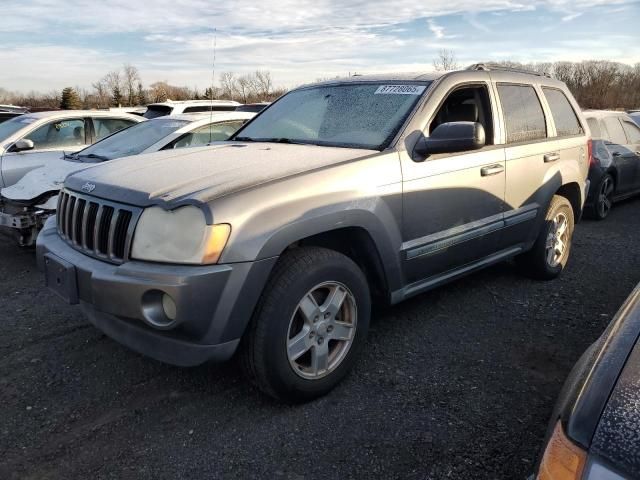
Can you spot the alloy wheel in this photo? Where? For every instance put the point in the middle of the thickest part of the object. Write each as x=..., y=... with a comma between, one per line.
x=557, y=239
x=321, y=330
x=604, y=197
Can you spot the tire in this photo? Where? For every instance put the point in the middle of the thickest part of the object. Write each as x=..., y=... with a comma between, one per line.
x=538, y=262
x=290, y=318
x=603, y=202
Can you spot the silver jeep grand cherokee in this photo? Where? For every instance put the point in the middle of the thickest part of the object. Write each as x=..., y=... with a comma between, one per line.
x=276, y=242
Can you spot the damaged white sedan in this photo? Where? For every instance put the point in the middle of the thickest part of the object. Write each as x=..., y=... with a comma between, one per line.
x=26, y=205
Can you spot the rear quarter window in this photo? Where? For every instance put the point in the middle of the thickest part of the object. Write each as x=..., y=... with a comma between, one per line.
x=564, y=116
x=523, y=114
x=594, y=127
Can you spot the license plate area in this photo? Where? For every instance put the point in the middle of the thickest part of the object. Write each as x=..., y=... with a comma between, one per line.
x=61, y=278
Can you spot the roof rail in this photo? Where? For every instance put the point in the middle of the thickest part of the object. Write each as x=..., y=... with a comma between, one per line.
x=503, y=68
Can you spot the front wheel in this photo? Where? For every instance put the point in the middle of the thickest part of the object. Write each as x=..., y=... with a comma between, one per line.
x=550, y=252
x=309, y=325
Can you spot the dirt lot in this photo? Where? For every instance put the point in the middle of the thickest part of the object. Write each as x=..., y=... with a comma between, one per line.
x=457, y=383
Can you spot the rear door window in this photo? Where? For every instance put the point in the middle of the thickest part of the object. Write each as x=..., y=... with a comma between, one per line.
x=564, y=116
x=206, y=134
x=615, y=130
x=104, y=127
x=523, y=114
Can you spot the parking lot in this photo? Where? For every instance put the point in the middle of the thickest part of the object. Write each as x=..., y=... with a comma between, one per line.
x=456, y=383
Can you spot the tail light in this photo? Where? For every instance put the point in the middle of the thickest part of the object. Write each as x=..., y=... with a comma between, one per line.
x=562, y=460
x=592, y=160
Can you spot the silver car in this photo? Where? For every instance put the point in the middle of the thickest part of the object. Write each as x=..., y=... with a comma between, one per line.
x=33, y=139
x=276, y=243
x=25, y=205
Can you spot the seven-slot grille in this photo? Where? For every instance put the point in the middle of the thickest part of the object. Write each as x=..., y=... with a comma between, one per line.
x=96, y=227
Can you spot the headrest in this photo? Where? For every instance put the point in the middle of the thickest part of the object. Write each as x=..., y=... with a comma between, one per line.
x=464, y=112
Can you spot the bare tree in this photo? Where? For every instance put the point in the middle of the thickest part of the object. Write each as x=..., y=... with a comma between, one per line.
x=113, y=80
x=446, y=61
x=102, y=92
x=130, y=81
x=228, y=85
x=263, y=83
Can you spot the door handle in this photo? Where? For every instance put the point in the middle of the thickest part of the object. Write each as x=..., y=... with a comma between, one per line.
x=551, y=157
x=491, y=170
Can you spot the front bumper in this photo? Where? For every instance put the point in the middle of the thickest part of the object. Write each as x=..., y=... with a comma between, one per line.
x=214, y=303
x=24, y=225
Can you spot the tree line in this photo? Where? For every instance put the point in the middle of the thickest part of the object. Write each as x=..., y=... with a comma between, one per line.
x=124, y=88
x=594, y=83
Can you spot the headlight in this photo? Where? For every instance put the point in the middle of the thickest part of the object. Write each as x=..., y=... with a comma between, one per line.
x=178, y=236
x=562, y=460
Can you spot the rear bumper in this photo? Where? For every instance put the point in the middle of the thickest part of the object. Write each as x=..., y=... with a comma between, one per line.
x=213, y=303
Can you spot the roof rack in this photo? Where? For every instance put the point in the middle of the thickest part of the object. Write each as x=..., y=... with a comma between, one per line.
x=503, y=68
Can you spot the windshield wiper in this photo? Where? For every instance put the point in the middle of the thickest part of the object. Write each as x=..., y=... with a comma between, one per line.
x=95, y=156
x=71, y=156
x=268, y=140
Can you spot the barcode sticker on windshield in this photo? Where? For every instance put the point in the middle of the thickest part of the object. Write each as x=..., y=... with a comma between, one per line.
x=400, y=90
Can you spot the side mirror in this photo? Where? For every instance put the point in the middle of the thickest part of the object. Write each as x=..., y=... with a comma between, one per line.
x=452, y=137
x=23, y=145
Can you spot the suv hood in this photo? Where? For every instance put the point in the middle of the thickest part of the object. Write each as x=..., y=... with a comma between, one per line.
x=203, y=173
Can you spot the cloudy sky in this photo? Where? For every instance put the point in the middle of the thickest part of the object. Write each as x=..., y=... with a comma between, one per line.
x=49, y=44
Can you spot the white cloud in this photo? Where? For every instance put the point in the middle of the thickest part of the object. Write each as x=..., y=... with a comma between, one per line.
x=436, y=29
x=297, y=40
x=571, y=16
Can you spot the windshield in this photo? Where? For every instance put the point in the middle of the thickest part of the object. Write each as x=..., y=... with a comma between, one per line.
x=11, y=126
x=359, y=115
x=132, y=140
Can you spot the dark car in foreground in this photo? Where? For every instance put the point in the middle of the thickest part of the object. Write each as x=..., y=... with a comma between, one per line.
x=615, y=170
x=594, y=431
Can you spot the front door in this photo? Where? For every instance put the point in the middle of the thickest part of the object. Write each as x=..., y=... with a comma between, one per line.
x=51, y=141
x=453, y=203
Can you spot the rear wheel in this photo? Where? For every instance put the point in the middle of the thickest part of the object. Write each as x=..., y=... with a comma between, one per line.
x=310, y=323
x=550, y=252
x=604, y=198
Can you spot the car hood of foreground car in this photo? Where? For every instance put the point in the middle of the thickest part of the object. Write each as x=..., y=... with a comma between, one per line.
x=204, y=173
x=49, y=178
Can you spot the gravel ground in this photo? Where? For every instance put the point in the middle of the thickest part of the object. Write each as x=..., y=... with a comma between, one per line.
x=456, y=383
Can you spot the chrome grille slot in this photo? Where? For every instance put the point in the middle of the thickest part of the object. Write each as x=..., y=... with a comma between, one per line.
x=97, y=227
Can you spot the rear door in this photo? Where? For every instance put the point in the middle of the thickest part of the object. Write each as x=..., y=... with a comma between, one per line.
x=51, y=141
x=530, y=150
x=624, y=157
x=633, y=144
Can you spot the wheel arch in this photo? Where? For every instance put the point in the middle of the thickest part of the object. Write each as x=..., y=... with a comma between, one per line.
x=356, y=243
x=571, y=191
x=359, y=234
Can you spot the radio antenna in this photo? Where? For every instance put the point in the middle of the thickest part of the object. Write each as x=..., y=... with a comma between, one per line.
x=213, y=77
